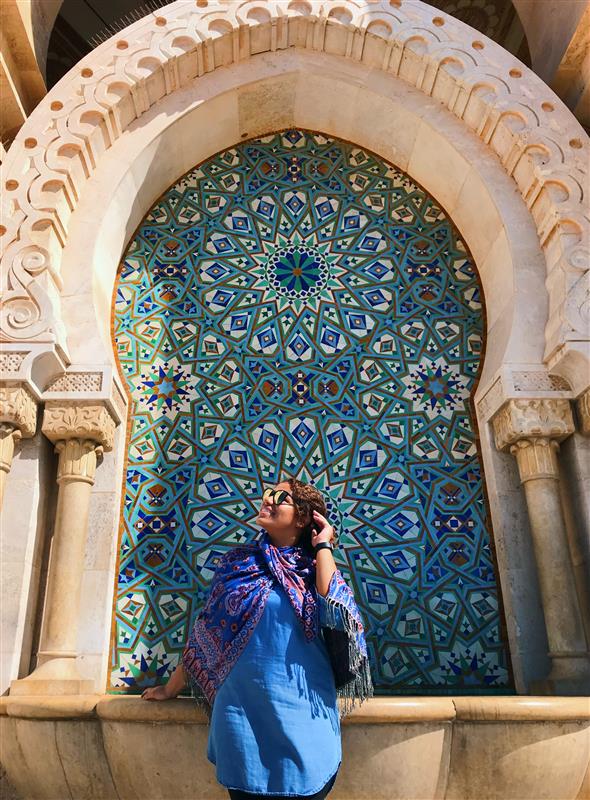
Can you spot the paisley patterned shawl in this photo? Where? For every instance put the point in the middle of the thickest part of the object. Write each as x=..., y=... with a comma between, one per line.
x=237, y=597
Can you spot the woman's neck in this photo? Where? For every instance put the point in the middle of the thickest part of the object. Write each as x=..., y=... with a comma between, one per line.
x=287, y=539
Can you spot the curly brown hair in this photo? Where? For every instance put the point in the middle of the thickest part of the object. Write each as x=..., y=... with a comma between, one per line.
x=307, y=499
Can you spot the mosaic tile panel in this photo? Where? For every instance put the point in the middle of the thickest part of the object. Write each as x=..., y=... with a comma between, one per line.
x=297, y=304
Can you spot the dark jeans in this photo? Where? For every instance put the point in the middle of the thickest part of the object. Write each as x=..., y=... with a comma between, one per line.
x=237, y=794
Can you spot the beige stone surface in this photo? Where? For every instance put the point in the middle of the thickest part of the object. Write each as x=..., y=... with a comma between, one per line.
x=518, y=761
x=418, y=748
x=399, y=709
x=522, y=709
x=50, y=706
x=22, y=525
x=179, y=751
x=393, y=762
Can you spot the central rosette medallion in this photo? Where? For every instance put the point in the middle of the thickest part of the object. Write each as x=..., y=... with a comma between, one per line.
x=297, y=270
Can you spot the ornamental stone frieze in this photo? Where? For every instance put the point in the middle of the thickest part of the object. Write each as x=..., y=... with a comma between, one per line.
x=86, y=387
x=77, y=420
x=18, y=418
x=18, y=408
x=520, y=382
x=529, y=419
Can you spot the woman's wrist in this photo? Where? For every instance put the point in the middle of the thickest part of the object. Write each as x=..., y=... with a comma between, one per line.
x=176, y=683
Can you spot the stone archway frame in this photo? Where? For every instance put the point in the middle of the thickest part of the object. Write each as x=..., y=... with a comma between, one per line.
x=275, y=92
x=99, y=150
x=539, y=142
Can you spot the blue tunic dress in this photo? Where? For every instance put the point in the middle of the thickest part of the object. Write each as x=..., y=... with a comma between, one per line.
x=275, y=727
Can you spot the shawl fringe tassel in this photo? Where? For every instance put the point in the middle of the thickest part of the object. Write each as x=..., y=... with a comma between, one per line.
x=360, y=687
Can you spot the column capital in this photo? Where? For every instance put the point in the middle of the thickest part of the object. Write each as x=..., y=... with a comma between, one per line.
x=79, y=420
x=532, y=419
x=18, y=408
x=536, y=458
x=78, y=459
x=583, y=409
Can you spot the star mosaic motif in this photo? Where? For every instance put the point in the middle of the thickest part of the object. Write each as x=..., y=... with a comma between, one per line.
x=165, y=387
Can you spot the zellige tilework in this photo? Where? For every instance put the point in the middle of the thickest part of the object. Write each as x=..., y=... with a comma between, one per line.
x=296, y=304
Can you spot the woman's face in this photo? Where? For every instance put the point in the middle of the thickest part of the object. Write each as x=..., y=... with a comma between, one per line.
x=280, y=520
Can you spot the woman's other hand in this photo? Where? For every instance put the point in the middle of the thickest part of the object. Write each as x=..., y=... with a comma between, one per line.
x=156, y=693
x=323, y=531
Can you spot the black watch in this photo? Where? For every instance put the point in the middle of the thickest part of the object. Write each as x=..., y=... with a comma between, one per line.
x=322, y=546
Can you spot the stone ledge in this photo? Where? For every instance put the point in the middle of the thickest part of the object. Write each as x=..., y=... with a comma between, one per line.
x=378, y=710
x=118, y=708
x=382, y=710
x=79, y=706
x=522, y=709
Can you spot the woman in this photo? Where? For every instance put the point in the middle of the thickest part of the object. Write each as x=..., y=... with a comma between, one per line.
x=279, y=638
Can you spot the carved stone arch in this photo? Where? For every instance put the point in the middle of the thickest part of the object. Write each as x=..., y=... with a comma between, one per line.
x=125, y=123
x=41, y=201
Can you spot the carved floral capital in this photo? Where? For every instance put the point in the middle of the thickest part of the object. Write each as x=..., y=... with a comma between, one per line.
x=19, y=409
x=9, y=436
x=530, y=419
x=583, y=408
x=62, y=421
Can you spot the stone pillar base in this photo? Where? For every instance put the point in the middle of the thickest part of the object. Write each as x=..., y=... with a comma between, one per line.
x=565, y=687
x=569, y=676
x=59, y=676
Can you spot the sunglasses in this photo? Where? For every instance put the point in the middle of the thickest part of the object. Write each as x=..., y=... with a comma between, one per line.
x=276, y=496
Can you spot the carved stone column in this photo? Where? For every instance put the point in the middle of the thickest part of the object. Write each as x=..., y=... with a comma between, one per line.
x=80, y=433
x=18, y=418
x=531, y=430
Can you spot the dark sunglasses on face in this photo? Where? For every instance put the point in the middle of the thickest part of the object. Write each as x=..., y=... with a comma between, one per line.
x=276, y=496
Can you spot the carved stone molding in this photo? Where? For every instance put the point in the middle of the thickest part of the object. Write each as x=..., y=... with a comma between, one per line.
x=62, y=421
x=539, y=142
x=77, y=460
x=583, y=409
x=76, y=382
x=11, y=361
x=19, y=409
x=520, y=381
x=31, y=365
x=527, y=419
x=87, y=385
x=538, y=381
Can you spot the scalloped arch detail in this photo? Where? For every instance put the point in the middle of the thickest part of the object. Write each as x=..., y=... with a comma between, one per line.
x=89, y=110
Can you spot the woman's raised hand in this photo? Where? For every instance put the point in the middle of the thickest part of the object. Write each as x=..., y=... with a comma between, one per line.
x=323, y=531
x=156, y=693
